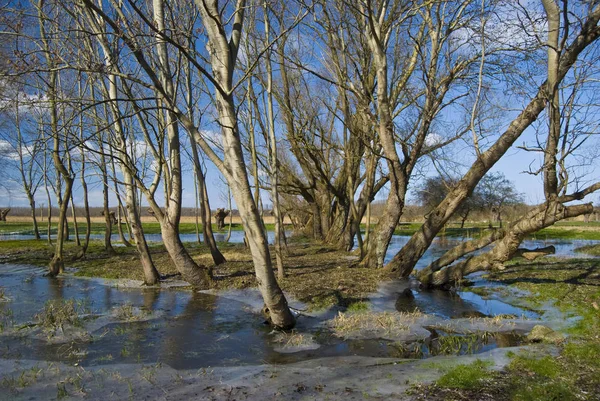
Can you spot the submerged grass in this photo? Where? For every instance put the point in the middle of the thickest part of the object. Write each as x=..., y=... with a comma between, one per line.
x=59, y=313
x=128, y=313
x=292, y=339
x=346, y=324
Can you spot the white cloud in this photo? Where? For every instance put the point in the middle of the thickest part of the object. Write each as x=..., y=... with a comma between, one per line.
x=433, y=139
x=8, y=151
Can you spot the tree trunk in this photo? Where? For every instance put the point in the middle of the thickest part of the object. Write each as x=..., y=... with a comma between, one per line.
x=196, y=207
x=75, y=225
x=36, y=230
x=405, y=260
x=106, y=211
x=228, y=237
x=273, y=151
x=317, y=228
x=461, y=250
x=151, y=275
x=57, y=264
x=223, y=58
x=198, y=276
x=205, y=213
x=506, y=247
x=86, y=204
x=119, y=202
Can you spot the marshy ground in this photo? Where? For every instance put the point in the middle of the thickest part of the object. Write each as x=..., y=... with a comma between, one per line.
x=529, y=332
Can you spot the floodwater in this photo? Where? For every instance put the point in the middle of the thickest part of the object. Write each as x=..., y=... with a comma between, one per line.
x=193, y=330
x=196, y=330
x=237, y=237
x=564, y=248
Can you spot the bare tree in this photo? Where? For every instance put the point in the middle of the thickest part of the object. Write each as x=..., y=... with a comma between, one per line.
x=572, y=47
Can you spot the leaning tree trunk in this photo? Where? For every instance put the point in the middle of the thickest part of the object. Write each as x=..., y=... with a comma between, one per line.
x=151, y=275
x=198, y=276
x=405, y=260
x=209, y=237
x=56, y=265
x=506, y=247
x=205, y=215
x=223, y=57
x=273, y=153
x=464, y=248
x=119, y=202
x=86, y=204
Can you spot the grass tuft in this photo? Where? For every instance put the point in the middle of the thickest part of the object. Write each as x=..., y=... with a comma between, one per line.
x=387, y=322
x=466, y=376
x=58, y=313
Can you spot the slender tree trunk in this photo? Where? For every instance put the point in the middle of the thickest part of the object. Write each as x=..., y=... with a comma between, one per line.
x=253, y=153
x=56, y=265
x=223, y=57
x=151, y=275
x=119, y=202
x=75, y=225
x=49, y=214
x=205, y=214
x=196, y=201
x=198, y=276
x=228, y=237
x=36, y=230
x=106, y=211
x=273, y=153
x=27, y=185
x=86, y=203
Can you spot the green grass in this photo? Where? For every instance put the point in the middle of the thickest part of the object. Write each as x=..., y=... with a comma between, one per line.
x=593, y=250
x=574, y=374
x=466, y=376
x=561, y=230
x=359, y=306
x=546, y=367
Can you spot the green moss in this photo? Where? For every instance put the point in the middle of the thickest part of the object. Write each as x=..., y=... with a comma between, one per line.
x=359, y=306
x=466, y=376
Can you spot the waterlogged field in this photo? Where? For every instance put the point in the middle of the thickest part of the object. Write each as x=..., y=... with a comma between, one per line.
x=527, y=332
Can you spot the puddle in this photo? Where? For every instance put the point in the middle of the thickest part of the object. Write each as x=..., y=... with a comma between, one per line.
x=450, y=305
x=192, y=330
